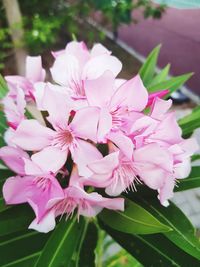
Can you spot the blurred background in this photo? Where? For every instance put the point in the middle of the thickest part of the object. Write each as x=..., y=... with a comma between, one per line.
x=129, y=28
x=126, y=26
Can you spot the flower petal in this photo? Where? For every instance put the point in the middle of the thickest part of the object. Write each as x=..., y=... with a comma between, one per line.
x=99, y=91
x=96, y=66
x=34, y=70
x=132, y=94
x=14, y=158
x=84, y=123
x=45, y=225
x=123, y=142
x=50, y=159
x=31, y=135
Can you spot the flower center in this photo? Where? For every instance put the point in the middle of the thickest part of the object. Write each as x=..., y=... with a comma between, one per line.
x=42, y=182
x=66, y=206
x=124, y=175
x=63, y=139
x=118, y=116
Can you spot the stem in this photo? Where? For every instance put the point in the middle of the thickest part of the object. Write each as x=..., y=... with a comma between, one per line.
x=99, y=248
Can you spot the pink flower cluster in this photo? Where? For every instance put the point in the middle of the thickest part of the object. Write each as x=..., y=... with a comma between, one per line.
x=56, y=154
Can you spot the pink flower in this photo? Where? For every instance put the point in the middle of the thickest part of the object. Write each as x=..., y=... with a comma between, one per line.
x=76, y=64
x=115, y=104
x=74, y=197
x=69, y=134
x=32, y=185
x=34, y=73
x=14, y=108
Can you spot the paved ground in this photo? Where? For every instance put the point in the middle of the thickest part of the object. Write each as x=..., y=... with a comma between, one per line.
x=179, y=32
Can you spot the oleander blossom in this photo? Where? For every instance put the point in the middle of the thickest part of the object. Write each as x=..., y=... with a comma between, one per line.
x=58, y=154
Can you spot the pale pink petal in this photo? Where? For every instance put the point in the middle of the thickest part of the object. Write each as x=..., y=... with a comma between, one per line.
x=123, y=142
x=105, y=165
x=155, y=155
x=13, y=158
x=99, y=91
x=31, y=168
x=45, y=225
x=96, y=66
x=160, y=107
x=119, y=82
x=50, y=159
x=166, y=191
x=52, y=99
x=66, y=69
x=183, y=169
x=104, y=125
x=31, y=135
x=83, y=154
x=99, y=49
x=84, y=123
x=17, y=189
x=163, y=133
x=132, y=94
x=34, y=70
x=79, y=50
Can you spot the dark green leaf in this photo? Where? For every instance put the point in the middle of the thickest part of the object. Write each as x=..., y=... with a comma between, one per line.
x=22, y=247
x=152, y=250
x=172, y=84
x=192, y=181
x=61, y=245
x=135, y=219
x=15, y=219
x=183, y=234
x=148, y=68
x=85, y=255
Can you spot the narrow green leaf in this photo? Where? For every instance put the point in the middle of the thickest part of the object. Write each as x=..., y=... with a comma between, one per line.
x=190, y=122
x=152, y=250
x=3, y=87
x=148, y=68
x=183, y=234
x=192, y=181
x=172, y=84
x=161, y=76
x=61, y=245
x=85, y=254
x=15, y=219
x=23, y=246
x=135, y=220
x=24, y=262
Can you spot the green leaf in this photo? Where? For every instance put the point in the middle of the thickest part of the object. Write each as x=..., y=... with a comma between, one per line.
x=148, y=68
x=152, y=250
x=195, y=157
x=21, y=248
x=3, y=87
x=172, y=84
x=61, y=245
x=85, y=254
x=135, y=220
x=190, y=122
x=161, y=76
x=192, y=181
x=15, y=219
x=183, y=234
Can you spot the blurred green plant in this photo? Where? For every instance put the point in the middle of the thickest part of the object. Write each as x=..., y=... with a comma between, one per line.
x=45, y=22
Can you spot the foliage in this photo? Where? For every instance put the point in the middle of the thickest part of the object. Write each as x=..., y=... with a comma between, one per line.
x=44, y=22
